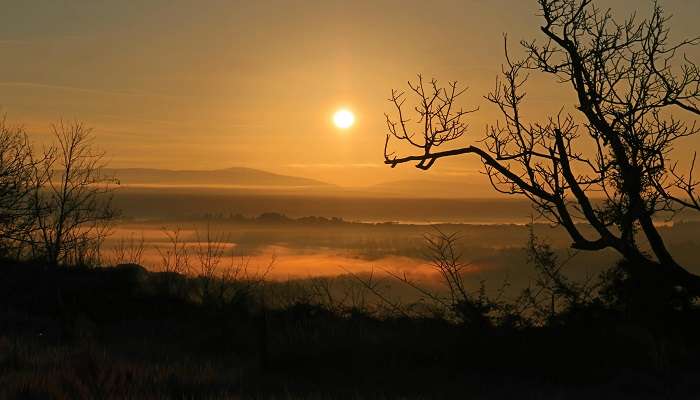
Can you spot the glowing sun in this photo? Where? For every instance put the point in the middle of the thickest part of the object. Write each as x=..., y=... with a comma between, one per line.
x=343, y=118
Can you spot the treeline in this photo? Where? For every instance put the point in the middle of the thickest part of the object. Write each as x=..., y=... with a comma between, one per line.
x=280, y=218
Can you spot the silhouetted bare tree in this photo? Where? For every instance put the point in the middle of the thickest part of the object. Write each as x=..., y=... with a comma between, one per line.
x=72, y=198
x=16, y=167
x=630, y=82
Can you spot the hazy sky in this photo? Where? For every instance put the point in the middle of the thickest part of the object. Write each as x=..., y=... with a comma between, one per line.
x=213, y=84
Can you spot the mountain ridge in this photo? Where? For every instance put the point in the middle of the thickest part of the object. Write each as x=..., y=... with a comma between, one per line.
x=232, y=176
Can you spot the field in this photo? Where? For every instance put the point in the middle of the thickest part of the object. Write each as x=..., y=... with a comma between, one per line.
x=125, y=333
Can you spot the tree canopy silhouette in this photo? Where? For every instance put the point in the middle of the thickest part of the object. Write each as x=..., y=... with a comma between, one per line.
x=635, y=90
x=72, y=205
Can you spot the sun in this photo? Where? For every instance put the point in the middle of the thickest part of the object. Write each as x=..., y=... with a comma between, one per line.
x=344, y=118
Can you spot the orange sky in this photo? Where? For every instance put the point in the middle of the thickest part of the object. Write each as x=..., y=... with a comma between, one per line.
x=199, y=85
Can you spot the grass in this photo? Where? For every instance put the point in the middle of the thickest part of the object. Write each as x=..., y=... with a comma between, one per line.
x=116, y=333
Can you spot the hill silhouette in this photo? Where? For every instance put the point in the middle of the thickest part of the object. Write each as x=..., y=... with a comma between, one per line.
x=235, y=176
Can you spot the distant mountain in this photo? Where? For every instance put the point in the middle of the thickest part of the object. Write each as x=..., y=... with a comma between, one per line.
x=237, y=176
x=434, y=188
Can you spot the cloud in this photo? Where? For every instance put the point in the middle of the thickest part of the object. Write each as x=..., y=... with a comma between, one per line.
x=329, y=166
x=35, y=85
x=12, y=42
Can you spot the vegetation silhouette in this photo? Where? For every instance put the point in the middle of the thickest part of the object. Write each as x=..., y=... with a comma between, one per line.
x=126, y=332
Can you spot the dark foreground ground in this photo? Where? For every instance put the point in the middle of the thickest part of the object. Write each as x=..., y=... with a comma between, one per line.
x=118, y=333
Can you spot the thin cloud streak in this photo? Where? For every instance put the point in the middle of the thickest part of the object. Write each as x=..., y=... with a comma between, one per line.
x=12, y=42
x=87, y=90
x=357, y=165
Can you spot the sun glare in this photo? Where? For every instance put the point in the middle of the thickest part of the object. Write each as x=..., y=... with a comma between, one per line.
x=343, y=118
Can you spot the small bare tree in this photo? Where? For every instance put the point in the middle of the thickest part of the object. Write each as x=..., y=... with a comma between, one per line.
x=456, y=302
x=72, y=199
x=553, y=292
x=469, y=307
x=629, y=85
x=129, y=250
x=209, y=253
x=238, y=281
x=175, y=258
